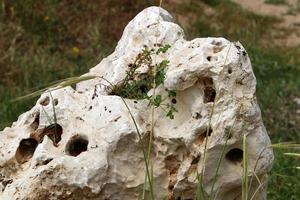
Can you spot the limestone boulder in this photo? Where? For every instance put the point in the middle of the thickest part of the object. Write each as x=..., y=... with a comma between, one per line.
x=83, y=143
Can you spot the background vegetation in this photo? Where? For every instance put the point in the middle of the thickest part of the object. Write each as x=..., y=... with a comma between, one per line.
x=44, y=41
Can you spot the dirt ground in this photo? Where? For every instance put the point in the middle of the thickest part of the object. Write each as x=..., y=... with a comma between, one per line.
x=288, y=30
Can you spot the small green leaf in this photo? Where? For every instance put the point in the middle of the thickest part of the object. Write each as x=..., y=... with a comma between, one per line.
x=160, y=77
x=163, y=64
x=163, y=49
x=170, y=114
x=171, y=93
x=157, y=100
x=171, y=111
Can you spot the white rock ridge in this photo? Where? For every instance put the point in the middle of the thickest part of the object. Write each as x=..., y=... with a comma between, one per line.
x=93, y=152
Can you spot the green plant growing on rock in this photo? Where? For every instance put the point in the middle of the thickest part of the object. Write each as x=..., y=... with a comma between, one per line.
x=137, y=85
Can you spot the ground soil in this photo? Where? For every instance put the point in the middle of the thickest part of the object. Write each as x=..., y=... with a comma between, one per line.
x=288, y=29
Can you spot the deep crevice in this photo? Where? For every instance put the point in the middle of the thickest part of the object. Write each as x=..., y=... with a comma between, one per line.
x=208, y=89
x=172, y=165
x=209, y=94
x=203, y=135
x=35, y=124
x=54, y=132
x=195, y=160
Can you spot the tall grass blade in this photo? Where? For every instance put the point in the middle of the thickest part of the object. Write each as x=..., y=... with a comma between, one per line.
x=57, y=85
x=286, y=145
x=54, y=118
x=245, y=170
x=255, y=166
x=200, y=194
x=292, y=154
x=47, y=115
x=257, y=190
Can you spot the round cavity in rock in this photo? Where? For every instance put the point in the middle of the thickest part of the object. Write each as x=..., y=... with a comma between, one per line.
x=55, y=102
x=45, y=101
x=235, y=155
x=77, y=145
x=174, y=101
x=229, y=70
x=209, y=94
x=25, y=150
x=54, y=132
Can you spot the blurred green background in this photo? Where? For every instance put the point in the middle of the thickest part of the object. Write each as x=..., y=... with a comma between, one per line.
x=44, y=41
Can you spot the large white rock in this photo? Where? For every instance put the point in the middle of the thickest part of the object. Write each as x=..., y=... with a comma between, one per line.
x=94, y=152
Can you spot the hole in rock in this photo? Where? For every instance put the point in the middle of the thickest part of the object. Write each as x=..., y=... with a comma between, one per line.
x=208, y=58
x=45, y=101
x=47, y=161
x=174, y=101
x=77, y=145
x=43, y=162
x=203, y=135
x=35, y=124
x=172, y=164
x=54, y=132
x=235, y=155
x=6, y=182
x=195, y=160
x=144, y=88
x=55, y=102
x=217, y=49
x=209, y=94
x=229, y=70
x=208, y=89
x=238, y=47
x=197, y=115
x=171, y=187
x=25, y=150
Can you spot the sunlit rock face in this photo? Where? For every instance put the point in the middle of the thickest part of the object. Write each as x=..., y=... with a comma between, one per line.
x=83, y=144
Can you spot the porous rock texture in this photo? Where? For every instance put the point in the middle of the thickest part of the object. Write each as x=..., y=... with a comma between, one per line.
x=93, y=149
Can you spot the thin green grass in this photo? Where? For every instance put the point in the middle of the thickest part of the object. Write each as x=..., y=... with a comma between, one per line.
x=245, y=188
x=57, y=85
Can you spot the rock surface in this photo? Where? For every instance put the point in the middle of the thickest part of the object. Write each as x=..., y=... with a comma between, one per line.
x=93, y=150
